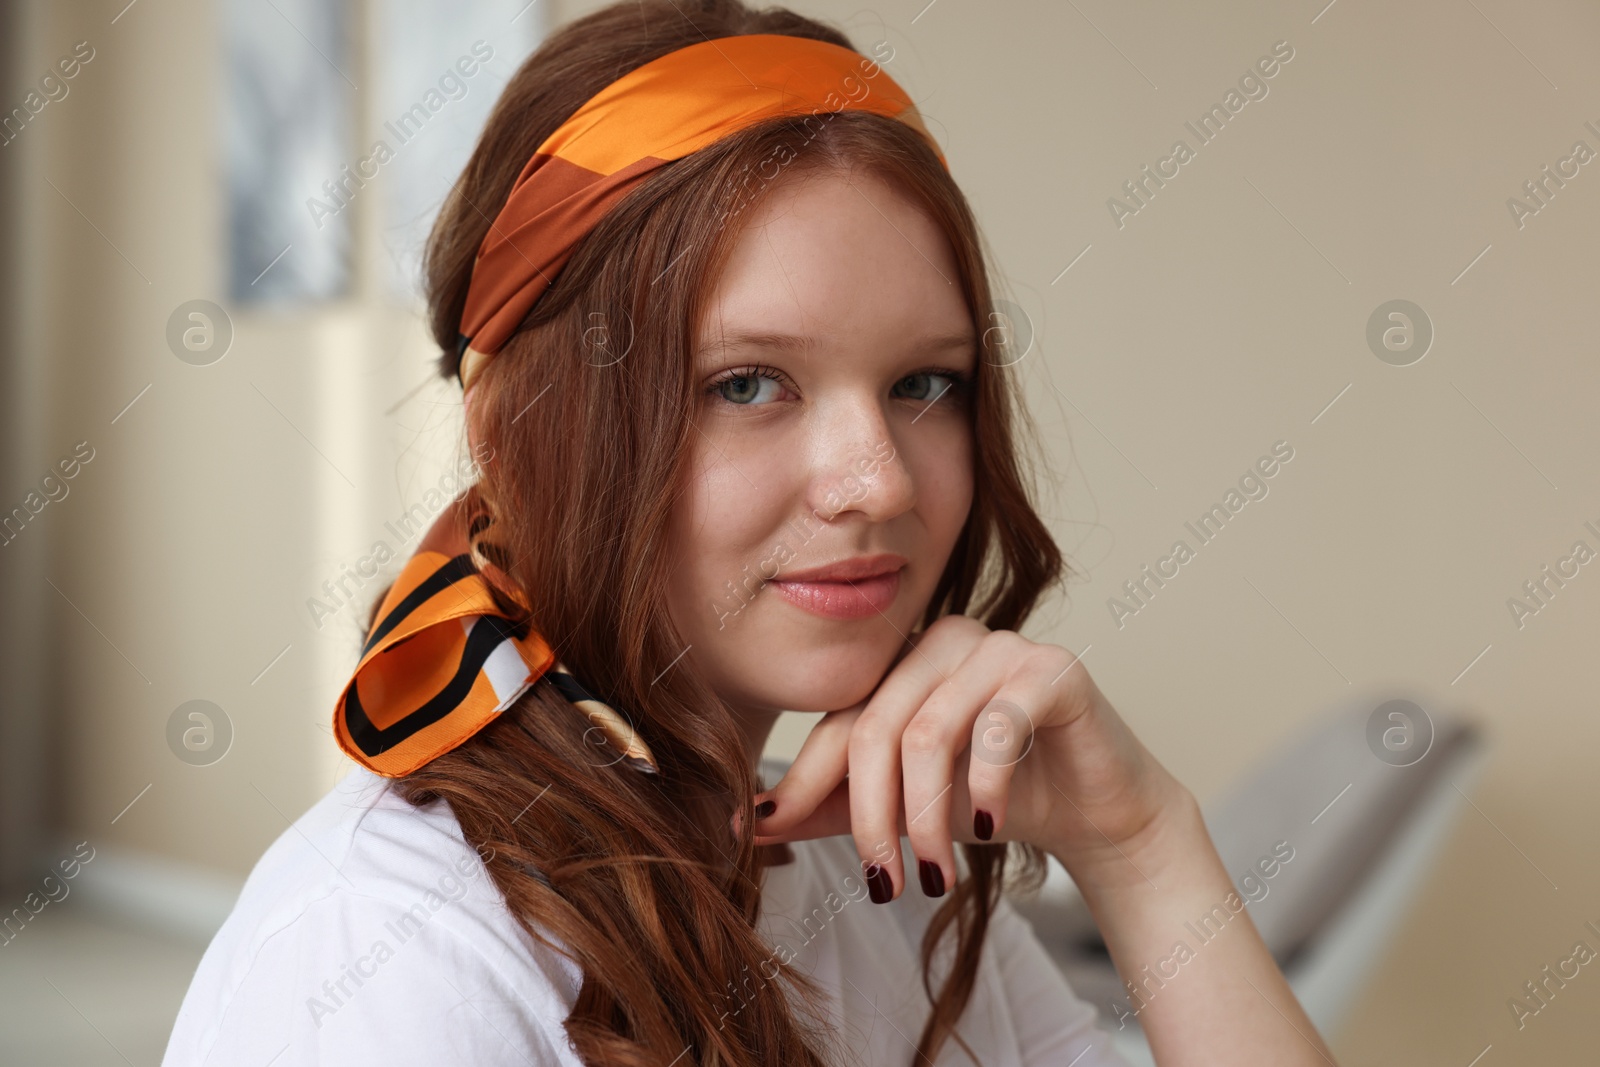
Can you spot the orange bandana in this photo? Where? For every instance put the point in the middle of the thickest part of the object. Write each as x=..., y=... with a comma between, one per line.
x=660, y=112
x=442, y=660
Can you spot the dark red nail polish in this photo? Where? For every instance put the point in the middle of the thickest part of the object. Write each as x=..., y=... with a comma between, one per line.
x=932, y=876
x=879, y=885
x=982, y=825
x=765, y=808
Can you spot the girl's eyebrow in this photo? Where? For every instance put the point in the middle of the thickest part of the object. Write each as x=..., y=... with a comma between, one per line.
x=783, y=342
x=788, y=342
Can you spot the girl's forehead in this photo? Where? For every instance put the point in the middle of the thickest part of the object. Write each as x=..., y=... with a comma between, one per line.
x=885, y=328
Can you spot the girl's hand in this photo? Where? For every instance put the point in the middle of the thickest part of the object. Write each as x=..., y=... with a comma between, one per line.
x=973, y=735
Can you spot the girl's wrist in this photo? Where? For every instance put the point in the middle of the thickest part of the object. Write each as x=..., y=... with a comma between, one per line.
x=1146, y=895
x=1174, y=838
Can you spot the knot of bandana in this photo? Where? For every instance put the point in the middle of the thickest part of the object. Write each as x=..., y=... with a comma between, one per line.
x=442, y=659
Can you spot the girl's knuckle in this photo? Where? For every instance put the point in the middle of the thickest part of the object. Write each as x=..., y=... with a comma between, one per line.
x=922, y=737
x=868, y=733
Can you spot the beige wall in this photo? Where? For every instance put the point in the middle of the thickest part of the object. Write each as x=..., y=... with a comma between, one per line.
x=217, y=502
x=1222, y=318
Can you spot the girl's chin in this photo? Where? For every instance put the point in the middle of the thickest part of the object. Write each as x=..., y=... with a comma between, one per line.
x=846, y=686
x=783, y=669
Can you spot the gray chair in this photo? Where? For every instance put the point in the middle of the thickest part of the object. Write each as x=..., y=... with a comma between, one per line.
x=1365, y=831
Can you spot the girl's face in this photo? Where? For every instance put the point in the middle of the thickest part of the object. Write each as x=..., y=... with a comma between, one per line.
x=834, y=364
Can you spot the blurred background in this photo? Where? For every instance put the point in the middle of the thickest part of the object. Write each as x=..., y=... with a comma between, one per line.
x=1378, y=258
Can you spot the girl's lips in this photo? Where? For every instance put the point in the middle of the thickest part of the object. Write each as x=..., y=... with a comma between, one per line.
x=855, y=599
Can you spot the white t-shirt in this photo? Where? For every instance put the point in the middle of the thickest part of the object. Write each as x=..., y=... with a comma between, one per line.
x=371, y=933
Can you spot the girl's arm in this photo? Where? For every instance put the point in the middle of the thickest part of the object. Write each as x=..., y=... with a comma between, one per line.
x=984, y=735
x=1197, y=975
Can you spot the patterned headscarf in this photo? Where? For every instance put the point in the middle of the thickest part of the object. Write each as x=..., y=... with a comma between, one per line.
x=442, y=659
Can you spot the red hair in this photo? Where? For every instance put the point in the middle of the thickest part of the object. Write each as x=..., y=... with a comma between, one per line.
x=637, y=876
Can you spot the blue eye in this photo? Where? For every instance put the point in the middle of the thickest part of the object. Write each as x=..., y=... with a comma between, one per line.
x=745, y=386
x=931, y=385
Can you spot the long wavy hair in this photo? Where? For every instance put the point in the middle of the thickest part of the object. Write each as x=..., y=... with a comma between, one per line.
x=637, y=878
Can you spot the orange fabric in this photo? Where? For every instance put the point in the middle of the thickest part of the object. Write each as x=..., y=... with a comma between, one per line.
x=441, y=661
x=424, y=684
x=662, y=111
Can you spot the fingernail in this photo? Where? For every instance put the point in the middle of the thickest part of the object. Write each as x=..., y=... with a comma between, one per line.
x=982, y=825
x=765, y=808
x=879, y=885
x=932, y=876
